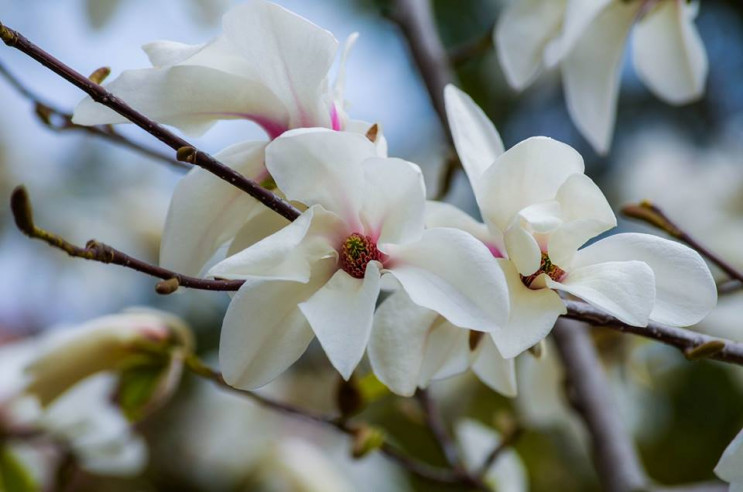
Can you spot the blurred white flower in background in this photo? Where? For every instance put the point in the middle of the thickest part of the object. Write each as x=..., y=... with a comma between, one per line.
x=587, y=38
x=730, y=466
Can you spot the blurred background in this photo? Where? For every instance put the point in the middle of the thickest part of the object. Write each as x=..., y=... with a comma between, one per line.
x=688, y=160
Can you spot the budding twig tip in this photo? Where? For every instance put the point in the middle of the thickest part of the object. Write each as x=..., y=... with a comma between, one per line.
x=99, y=75
x=7, y=35
x=20, y=204
x=372, y=133
x=186, y=154
x=705, y=350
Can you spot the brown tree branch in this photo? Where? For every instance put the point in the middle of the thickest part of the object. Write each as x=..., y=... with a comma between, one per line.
x=422, y=470
x=20, y=205
x=650, y=214
x=694, y=345
x=185, y=151
x=60, y=121
x=616, y=460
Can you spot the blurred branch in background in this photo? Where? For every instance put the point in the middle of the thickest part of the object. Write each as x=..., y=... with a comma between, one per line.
x=60, y=121
x=616, y=460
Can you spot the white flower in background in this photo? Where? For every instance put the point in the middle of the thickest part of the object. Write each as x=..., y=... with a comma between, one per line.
x=63, y=383
x=729, y=467
x=540, y=208
x=588, y=37
x=323, y=272
x=268, y=66
x=507, y=474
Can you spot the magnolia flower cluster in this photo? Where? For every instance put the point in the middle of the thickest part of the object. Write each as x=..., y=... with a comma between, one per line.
x=457, y=293
x=587, y=39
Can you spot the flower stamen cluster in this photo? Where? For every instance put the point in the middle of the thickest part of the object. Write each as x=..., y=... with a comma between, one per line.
x=356, y=252
x=545, y=266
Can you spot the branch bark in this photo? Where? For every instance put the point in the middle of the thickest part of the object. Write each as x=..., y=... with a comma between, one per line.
x=616, y=461
x=185, y=151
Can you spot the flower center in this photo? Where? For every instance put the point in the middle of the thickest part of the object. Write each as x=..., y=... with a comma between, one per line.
x=356, y=252
x=545, y=266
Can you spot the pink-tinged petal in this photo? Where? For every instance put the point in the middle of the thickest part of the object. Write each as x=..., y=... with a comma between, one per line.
x=322, y=167
x=498, y=373
x=191, y=98
x=398, y=343
x=475, y=137
x=341, y=313
x=264, y=332
x=591, y=70
x=523, y=32
x=685, y=291
x=394, y=200
x=206, y=212
x=624, y=289
x=288, y=254
x=533, y=314
x=453, y=273
x=669, y=54
x=292, y=56
x=529, y=172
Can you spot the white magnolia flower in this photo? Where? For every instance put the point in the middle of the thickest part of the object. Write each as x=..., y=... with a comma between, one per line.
x=539, y=208
x=268, y=66
x=729, y=467
x=61, y=382
x=507, y=473
x=588, y=37
x=322, y=273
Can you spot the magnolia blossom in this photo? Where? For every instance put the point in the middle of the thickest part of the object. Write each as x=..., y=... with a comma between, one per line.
x=62, y=383
x=268, y=66
x=588, y=37
x=322, y=273
x=729, y=467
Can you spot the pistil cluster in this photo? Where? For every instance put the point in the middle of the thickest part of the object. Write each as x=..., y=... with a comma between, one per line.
x=356, y=252
x=545, y=266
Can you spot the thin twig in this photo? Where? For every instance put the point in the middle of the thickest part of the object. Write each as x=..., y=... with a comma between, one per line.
x=438, y=429
x=650, y=214
x=418, y=468
x=185, y=151
x=616, y=460
x=96, y=251
x=694, y=345
x=507, y=440
x=59, y=121
x=466, y=52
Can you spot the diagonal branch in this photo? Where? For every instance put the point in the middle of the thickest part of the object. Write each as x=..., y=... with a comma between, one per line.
x=650, y=214
x=616, y=460
x=59, y=121
x=185, y=151
x=96, y=251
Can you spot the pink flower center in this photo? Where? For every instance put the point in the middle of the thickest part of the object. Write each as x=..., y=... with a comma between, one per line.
x=356, y=252
x=545, y=266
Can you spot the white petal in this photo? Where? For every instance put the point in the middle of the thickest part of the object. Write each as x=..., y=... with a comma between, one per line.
x=585, y=213
x=475, y=137
x=591, y=70
x=398, y=342
x=206, y=211
x=394, y=200
x=453, y=273
x=339, y=117
x=522, y=34
x=290, y=253
x=442, y=214
x=263, y=224
x=493, y=370
x=668, y=53
x=523, y=249
x=532, y=316
x=167, y=53
x=321, y=167
x=729, y=467
x=624, y=289
x=292, y=54
x=341, y=315
x=579, y=15
x=685, y=291
x=363, y=127
x=263, y=331
x=530, y=172
x=191, y=98
x=447, y=352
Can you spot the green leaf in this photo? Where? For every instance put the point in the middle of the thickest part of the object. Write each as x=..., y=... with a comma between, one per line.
x=13, y=475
